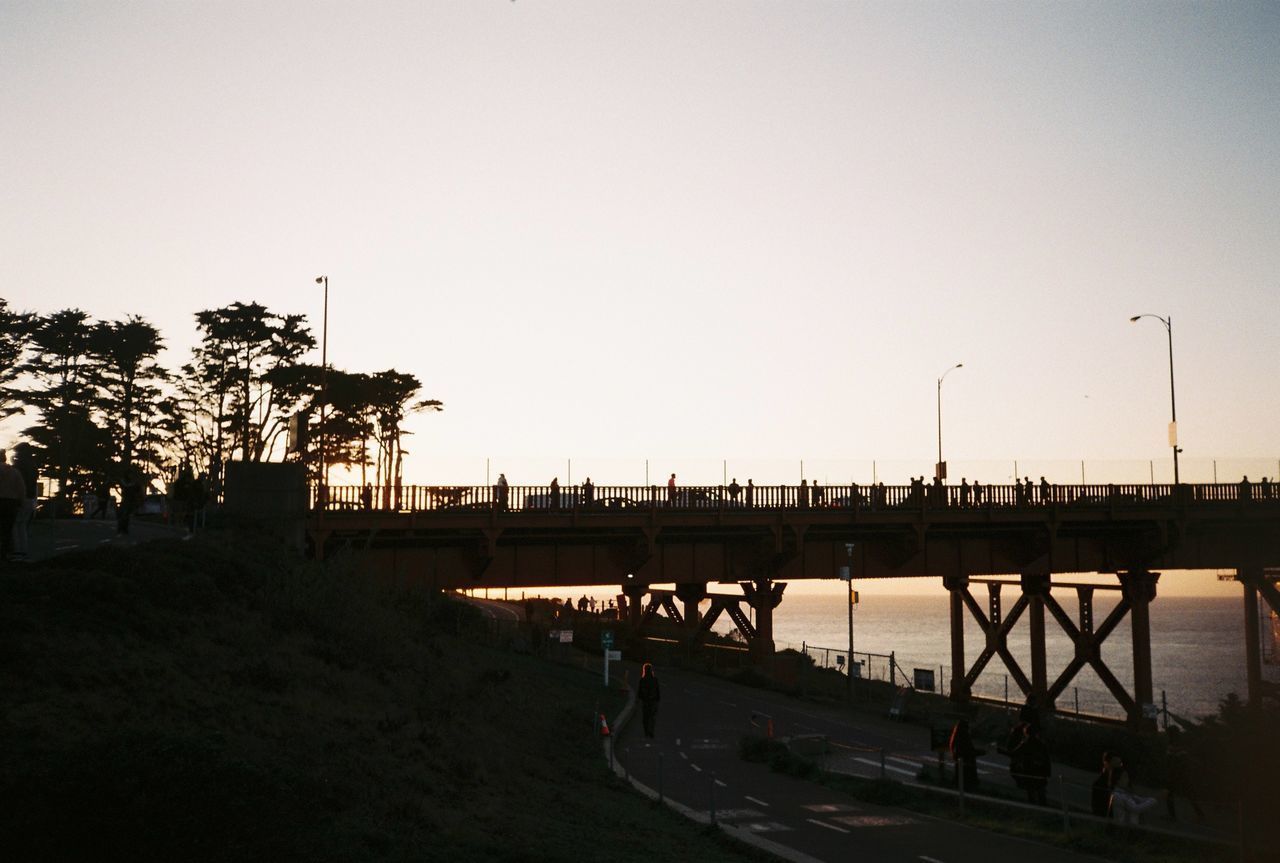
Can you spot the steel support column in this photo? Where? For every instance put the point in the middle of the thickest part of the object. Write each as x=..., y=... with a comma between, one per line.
x=1035, y=588
x=956, y=587
x=1139, y=589
x=764, y=596
x=635, y=603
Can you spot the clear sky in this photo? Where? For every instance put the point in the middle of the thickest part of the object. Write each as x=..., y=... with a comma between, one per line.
x=687, y=232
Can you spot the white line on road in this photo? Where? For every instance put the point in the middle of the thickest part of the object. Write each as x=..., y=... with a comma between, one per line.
x=826, y=825
x=729, y=703
x=930, y=859
x=684, y=755
x=871, y=763
x=721, y=784
x=755, y=800
x=696, y=767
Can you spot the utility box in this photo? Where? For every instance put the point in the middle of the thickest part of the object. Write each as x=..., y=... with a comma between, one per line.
x=271, y=495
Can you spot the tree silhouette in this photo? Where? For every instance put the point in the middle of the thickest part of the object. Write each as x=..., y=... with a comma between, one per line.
x=128, y=379
x=391, y=395
x=241, y=345
x=59, y=365
x=15, y=332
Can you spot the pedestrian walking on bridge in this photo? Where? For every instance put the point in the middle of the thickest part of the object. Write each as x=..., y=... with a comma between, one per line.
x=649, y=694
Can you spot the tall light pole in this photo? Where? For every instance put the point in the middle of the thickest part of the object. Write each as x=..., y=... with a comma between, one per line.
x=848, y=548
x=1173, y=402
x=324, y=389
x=940, y=470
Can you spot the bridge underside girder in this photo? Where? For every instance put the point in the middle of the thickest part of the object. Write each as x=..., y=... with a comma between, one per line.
x=494, y=557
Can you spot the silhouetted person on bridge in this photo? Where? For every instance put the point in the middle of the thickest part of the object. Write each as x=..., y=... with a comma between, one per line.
x=1046, y=491
x=553, y=499
x=671, y=491
x=1245, y=489
x=588, y=492
x=977, y=493
x=501, y=491
x=1264, y=488
x=734, y=490
x=366, y=497
x=803, y=494
x=649, y=694
x=816, y=492
x=751, y=493
x=964, y=491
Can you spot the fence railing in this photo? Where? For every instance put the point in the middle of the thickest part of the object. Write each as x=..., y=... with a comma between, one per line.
x=871, y=498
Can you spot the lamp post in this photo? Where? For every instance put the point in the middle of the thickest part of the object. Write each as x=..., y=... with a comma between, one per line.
x=940, y=470
x=1173, y=403
x=324, y=390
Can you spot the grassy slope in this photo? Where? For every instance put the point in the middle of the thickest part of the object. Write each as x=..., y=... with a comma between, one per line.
x=219, y=700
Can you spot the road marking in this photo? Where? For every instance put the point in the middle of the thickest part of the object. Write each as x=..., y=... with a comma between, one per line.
x=756, y=801
x=874, y=820
x=729, y=703
x=696, y=767
x=871, y=763
x=829, y=807
x=826, y=825
x=764, y=826
x=684, y=755
x=914, y=762
x=930, y=859
x=105, y=541
x=721, y=784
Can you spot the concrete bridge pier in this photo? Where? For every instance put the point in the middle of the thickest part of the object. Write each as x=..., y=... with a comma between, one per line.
x=1138, y=587
x=635, y=603
x=1254, y=581
x=690, y=594
x=764, y=596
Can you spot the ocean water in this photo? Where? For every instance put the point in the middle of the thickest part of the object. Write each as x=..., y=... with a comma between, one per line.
x=1197, y=644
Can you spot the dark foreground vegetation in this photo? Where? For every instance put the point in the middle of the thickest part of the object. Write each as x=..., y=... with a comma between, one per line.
x=218, y=699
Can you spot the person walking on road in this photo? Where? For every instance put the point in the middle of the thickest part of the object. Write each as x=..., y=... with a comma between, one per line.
x=649, y=694
x=13, y=491
x=1030, y=765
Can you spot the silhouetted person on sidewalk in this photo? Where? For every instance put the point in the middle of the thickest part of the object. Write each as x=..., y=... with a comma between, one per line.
x=734, y=490
x=1245, y=489
x=1182, y=776
x=553, y=499
x=977, y=493
x=12, y=492
x=649, y=694
x=501, y=490
x=24, y=461
x=1046, y=491
x=366, y=497
x=964, y=491
x=588, y=492
x=964, y=754
x=803, y=494
x=751, y=493
x=671, y=491
x=1030, y=765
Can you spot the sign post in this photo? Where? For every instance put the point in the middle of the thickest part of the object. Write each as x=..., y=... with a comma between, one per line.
x=606, y=646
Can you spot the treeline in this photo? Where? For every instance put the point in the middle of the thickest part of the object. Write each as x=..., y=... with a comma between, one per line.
x=107, y=413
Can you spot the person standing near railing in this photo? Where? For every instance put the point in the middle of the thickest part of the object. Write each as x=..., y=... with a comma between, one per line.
x=501, y=490
x=553, y=499
x=751, y=493
x=734, y=491
x=671, y=491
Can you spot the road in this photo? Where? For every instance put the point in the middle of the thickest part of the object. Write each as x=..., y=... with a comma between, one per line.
x=50, y=537
x=694, y=760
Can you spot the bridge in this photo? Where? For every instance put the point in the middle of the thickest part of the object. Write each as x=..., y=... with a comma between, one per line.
x=1022, y=539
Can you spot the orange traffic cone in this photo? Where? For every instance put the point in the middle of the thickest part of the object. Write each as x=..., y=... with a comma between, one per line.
x=604, y=726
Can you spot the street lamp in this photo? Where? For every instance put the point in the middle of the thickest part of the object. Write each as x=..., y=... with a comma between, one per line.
x=848, y=549
x=324, y=389
x=1173, y=403
x=940, y=470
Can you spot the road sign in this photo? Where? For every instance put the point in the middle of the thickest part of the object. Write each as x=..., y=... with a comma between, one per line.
x=606, y=639
x=613, y=654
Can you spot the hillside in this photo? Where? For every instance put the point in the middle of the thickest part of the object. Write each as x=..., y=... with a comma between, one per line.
x=219, y=699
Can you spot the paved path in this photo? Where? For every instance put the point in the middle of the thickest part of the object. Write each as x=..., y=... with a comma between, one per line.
x=695, y=761
x=53, y=536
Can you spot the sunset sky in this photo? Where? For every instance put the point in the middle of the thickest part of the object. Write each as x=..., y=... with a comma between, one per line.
x=687, y=232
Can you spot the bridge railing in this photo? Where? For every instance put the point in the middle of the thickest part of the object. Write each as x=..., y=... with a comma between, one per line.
x=870, y=498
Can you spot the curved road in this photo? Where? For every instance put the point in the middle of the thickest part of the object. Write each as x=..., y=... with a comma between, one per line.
x=694, y=760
